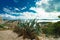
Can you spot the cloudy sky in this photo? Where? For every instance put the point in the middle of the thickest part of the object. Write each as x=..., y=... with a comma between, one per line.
x=30, y=9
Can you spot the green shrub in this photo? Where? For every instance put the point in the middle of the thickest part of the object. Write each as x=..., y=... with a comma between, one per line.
x=52, y=29
x=49, y=29
x=1, y=26
x=56, y=31
x=28, y=29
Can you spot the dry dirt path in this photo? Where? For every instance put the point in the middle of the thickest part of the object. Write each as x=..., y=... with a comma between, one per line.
x=9, y=35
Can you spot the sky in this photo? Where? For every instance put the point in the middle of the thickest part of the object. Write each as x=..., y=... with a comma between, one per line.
x=30, y=9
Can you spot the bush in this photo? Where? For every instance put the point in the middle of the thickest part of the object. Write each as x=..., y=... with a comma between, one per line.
x=48, y=30
x=1, y=26
x=52, y=29
x=56, y=31
x=29, y=29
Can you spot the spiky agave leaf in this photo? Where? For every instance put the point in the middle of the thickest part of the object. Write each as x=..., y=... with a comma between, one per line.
x=29, y=28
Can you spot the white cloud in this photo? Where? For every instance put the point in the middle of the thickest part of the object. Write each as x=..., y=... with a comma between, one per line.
x=23, y=8
x=7, y=16
x=48, y=20
x=40, y=12
x=17, y=9
x=39, y=3
x=10, y=11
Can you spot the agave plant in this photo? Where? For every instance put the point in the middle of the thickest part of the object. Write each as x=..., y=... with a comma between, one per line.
x=28, y=30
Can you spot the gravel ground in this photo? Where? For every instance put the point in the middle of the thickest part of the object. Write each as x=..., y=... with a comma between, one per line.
x=9, y=35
